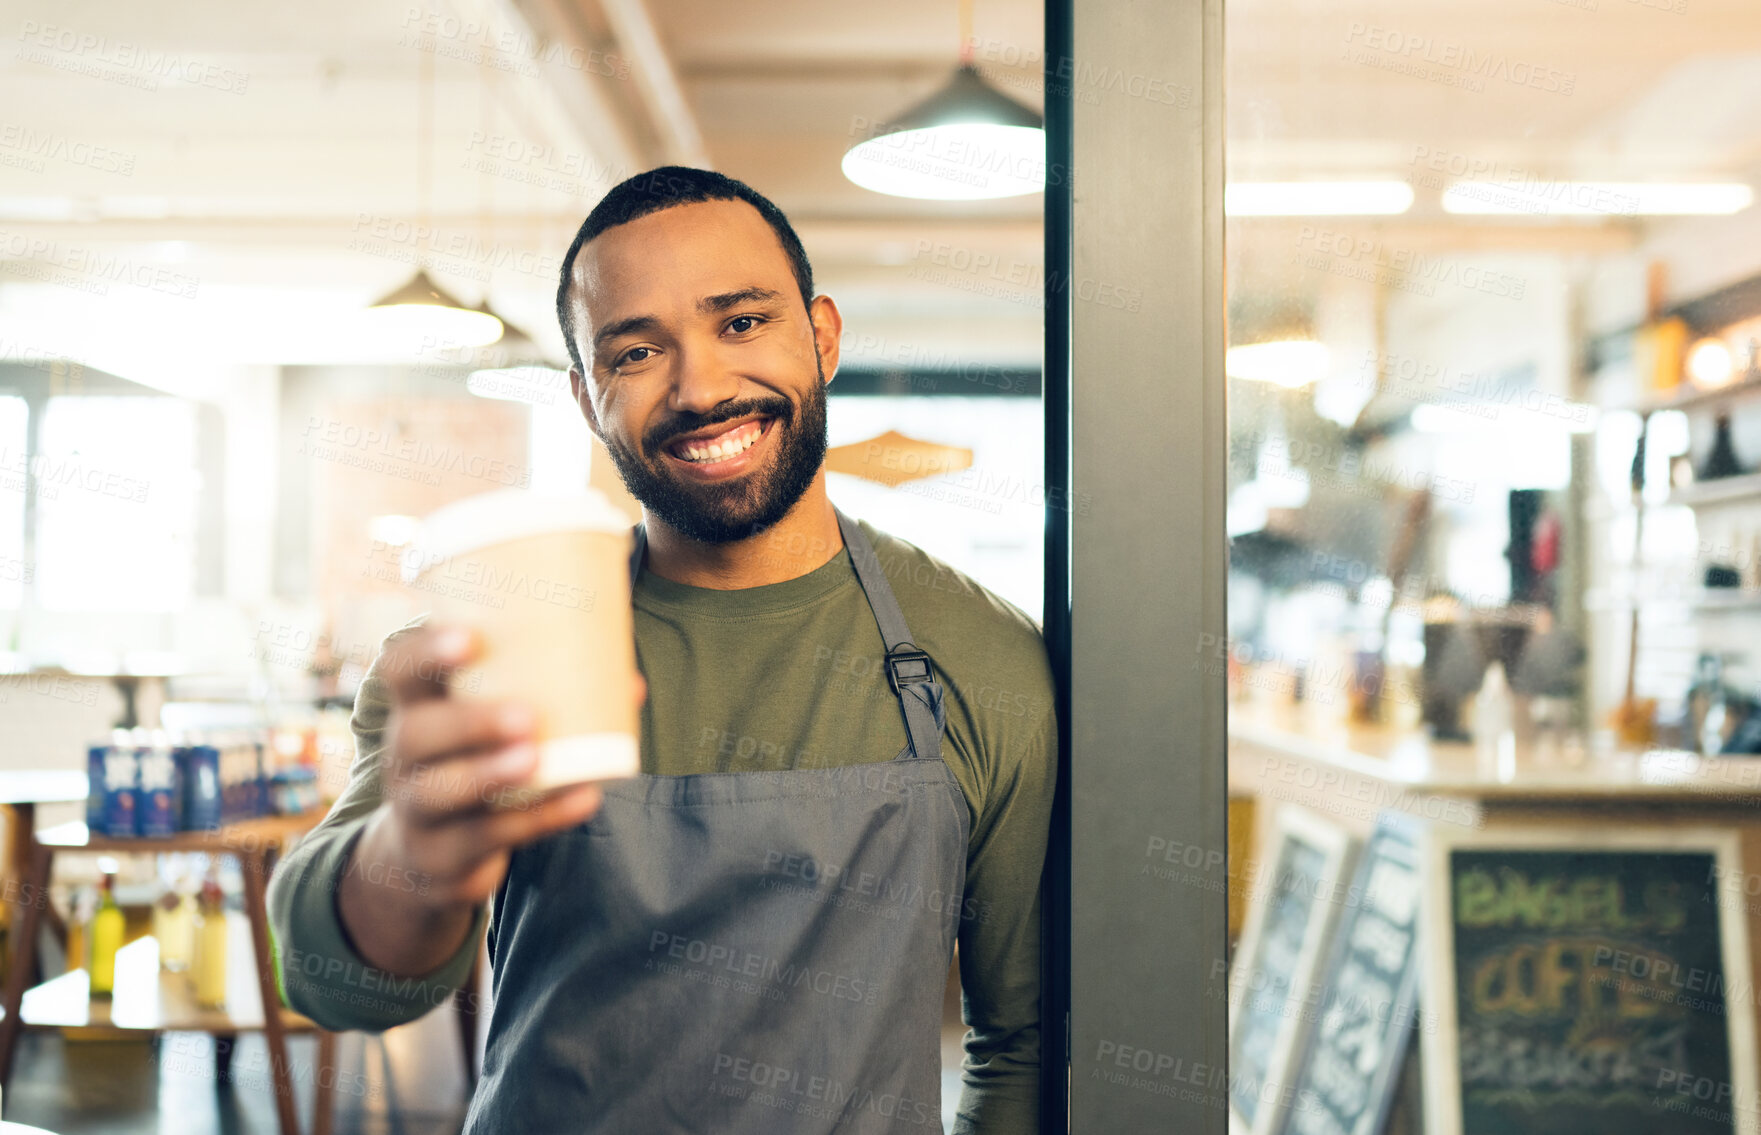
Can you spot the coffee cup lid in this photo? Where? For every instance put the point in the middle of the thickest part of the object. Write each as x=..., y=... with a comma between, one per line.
x=506, y=514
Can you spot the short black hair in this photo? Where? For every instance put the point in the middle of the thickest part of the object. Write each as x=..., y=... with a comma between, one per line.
x=662, y=188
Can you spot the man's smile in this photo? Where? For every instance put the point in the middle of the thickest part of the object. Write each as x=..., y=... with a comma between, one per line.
x=721, y=450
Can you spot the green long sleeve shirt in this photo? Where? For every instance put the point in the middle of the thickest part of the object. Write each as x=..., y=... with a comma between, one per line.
x=778, y=677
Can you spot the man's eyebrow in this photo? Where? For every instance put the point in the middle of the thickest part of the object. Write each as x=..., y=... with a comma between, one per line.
x=624, y=327
x=726, y=300
x=708, y=305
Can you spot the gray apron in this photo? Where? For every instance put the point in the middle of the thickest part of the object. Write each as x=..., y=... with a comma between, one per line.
x=755, y=952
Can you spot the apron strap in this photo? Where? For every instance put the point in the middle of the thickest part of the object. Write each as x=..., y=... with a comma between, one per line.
x=908, y=668
x=639, y=546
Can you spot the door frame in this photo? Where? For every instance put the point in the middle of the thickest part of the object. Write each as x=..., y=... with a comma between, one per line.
x=1136, y=566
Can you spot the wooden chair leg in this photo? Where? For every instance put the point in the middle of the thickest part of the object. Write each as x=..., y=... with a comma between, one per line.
x=253, y=867
x=32, y=898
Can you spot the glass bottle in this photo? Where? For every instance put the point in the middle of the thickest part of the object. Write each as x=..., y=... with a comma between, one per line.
x=174, y=926
x=209, y=968
x=107, y=928
x=1722, y=462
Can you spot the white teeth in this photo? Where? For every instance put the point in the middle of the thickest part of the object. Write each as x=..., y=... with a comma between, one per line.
x=725, y=446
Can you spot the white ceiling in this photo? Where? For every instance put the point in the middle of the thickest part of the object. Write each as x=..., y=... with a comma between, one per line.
x=281, y=179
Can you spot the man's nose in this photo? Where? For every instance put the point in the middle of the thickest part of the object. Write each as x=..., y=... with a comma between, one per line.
x=701, y=382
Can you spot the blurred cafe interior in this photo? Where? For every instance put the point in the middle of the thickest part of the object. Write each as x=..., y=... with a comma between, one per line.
x=276, y=282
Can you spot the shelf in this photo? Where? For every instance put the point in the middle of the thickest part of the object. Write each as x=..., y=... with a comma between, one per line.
x=148, y=999
x=42, y=786
x=245, y=835
x=1267, y=743
x=1721, y=490
x=1726, y=599
x=1706, y=599
x=1705, y=314
x=1694, y=399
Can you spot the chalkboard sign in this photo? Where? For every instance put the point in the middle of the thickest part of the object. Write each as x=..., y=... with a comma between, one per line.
x=1295, y=903
x=1363, y=1013
x=1590, y=981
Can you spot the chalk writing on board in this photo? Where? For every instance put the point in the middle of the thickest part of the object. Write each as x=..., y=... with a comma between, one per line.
x=1290, y=905
x=1558, y=1028
x=1345, y=1077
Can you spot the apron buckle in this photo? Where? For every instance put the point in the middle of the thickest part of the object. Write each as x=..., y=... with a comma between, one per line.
x=907, y=665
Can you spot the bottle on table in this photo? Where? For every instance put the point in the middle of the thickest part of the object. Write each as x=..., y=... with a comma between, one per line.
x=81, y=906
x=1495, y=726
x=107, y=929
x=208, y=967
x=174, y=926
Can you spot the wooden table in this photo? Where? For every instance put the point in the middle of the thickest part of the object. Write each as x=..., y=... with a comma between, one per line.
x=20, y=792
x=145, y=1000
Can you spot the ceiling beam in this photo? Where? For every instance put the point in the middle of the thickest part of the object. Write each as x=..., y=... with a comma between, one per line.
x=848, y=233
x=794, y=68
x=662, y=94
x=573, y=67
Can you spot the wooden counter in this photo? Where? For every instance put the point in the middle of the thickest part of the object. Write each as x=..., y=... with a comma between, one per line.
x=1269, y=750
x=1581, y=803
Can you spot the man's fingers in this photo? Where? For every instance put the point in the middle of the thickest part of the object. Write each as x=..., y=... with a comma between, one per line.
x=439, y=791
x=466, y=855
x=433, y=730
x=513, y=826
x=416, y=665
x=447, y=756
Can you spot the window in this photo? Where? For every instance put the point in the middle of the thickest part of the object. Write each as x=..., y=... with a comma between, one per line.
x=117, y=487
x=14, y=415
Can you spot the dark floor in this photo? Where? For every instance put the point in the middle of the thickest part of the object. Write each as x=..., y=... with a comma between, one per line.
x=404, y=1082
x=80, y=1087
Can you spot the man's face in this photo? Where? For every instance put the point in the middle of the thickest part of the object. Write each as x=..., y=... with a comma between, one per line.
x=707, y=373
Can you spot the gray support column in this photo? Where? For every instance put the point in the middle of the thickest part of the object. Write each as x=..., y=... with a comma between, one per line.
x=1144, y=296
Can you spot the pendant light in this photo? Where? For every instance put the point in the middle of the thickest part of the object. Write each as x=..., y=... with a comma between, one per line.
x=514, y=368
x=421, y=311
x=967, y=142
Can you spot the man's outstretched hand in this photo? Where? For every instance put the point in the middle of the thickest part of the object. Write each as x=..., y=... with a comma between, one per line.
x=457, y=802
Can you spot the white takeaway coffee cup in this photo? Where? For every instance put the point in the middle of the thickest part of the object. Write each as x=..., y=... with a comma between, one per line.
x=544, y=580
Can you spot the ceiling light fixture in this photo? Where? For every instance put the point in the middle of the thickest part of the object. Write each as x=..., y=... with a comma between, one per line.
x=1710, y=364
x=536, y=384
x=967, y=142
x=1539, y=197
x=1316, y=198
x=421, y=311
x=515, y=370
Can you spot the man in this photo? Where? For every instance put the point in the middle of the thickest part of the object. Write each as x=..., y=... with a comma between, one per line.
x=848, y=757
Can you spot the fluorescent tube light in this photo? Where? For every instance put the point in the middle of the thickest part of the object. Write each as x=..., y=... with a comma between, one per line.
x=1316, y=198
x=1538, y=197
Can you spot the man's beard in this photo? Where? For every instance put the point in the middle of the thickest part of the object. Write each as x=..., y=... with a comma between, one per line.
x=744, y=506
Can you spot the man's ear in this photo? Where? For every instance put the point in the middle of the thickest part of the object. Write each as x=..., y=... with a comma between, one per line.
x=828, y=334
x=578, y=388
